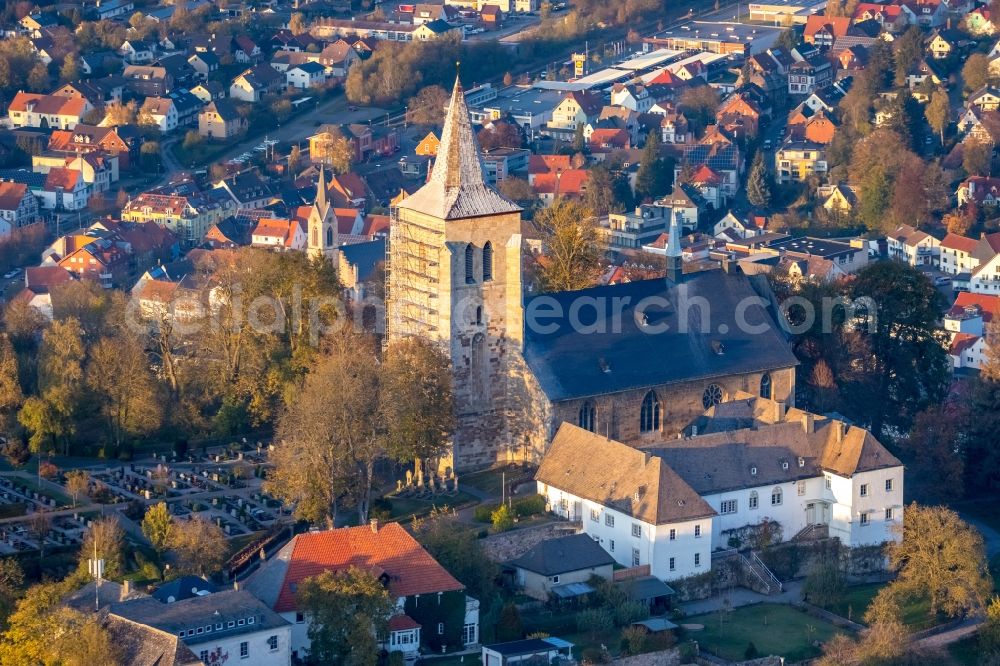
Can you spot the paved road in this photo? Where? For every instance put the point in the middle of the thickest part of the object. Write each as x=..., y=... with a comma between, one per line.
x=966, y=628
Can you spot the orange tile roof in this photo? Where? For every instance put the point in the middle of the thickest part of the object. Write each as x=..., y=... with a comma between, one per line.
x=61, y=177
x=548, y=163
x=48, y=104
x=11, y=195
x=570, y=182
x=390, y=550
x=956, y=242
x=961, y=342
x=402, y=623
x=987, y=304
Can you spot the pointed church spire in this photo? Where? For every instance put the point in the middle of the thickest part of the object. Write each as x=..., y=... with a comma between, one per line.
x=675, y=265
x=321, y=189
x=457, y=186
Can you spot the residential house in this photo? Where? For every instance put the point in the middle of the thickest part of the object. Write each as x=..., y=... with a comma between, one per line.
x=247, y=190
x=575, y=110
x=809, y=75
x=958, y=254
x=230, y=625
x=162, y=111
x=18, y=206
x=256, y=82
x=979, y=22
x=491, y=16
x=633, y=229
x=944, y=43
x=732, y=224
x=686, y=202
x=100, y=260
x=986, y=98
x=723, y=159
x=633, y=97
x=980, y=190
x=667, y=512
x=338, y=58
x=47, y=111
x=912, y=246
x=146, y=80
x=137, y=52
x=674, y=128
x=209, y=91
x=985, y=278
x=98, y=92
x=547, y=164
x=796, y=161
x=220, y=120
x=39, y=281
x=569, y=184
x=428, y=146
x=64, y=189
x=204, y=63
x=109, y=9
x=306, y=75
x=110, y=141
x=823, y=30
x=279, y=234
x=431, y=608
x=839, y=199
x=189, y=216
x=739, y=116
x=552, y=565
x=245, y=49
x=499, y=163
x=99, y=170
x=848, y=257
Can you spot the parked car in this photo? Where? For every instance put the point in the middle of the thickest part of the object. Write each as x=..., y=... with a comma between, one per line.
x=942, y=280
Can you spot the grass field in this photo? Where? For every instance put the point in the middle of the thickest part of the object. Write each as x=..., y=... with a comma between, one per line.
x=406, y=507
x=773, y=629
x=916, y=612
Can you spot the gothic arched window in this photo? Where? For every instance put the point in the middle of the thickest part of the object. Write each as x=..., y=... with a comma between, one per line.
x=649, y=416
x=487, y=262
x=315, y=240
x=469, y=262
x=765, y=385
x=712, y=396
x=329, y=236
x=478, y=370
x=588, y=416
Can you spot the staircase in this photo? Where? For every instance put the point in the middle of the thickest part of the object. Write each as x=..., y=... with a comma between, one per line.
x=758, y=571
x=812, y=533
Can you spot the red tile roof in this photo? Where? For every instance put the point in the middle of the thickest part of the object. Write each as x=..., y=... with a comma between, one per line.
x=706, y=175
x=956, y=242
x=48, y=104
x=571, y=182
x=410, y=569
x=60, y=177
x=548, y=163
x=402, y=623
x=987, y=304
x=376, y=225
x=11, y=195
x=961, y=342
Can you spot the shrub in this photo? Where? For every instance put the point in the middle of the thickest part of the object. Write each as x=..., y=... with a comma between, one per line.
x=508, y=627
x=533, y=505
x=634, y=640
x=688, y=652
x=595, y=655
x=628, y=612
x=503, y=519
x=825, y=584
x=661, y=640
x=484, y=513
x=751, y=651
x=594, y=621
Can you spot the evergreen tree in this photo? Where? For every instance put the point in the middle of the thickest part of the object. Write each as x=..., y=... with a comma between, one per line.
x=652, y=179
x=758, y=185
x=579, y=141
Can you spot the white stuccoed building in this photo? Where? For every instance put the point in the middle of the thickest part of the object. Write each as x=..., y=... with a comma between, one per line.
x=670, y=503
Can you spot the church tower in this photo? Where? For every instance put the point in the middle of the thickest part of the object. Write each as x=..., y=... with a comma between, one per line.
x=454, y=276
x=322, y=225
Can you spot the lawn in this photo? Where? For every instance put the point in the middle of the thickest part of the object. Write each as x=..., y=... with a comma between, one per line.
x=31, y=482
x=773, y=628
x=407, y=507
x=916, y=612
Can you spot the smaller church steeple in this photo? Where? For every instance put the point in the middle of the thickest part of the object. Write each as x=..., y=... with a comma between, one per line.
x=675, y=263
x=322, y=229
x=321, y=202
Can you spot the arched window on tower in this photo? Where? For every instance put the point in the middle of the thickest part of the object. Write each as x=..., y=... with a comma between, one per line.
x=588, y=416
x=649, y=416
x=478, y=367
x=488, y=262
x=315, y=239
x=329, y=236
x=765, y=385
x=469, y=262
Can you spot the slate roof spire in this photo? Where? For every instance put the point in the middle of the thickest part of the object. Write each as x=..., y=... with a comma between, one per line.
x=675, y=265
x=457, y=186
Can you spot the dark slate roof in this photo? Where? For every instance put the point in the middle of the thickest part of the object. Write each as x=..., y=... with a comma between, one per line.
x=526, y=646
x=563, y=555
x=182, y=588
x=628, y=355
x=365, y=256
x=197, y=612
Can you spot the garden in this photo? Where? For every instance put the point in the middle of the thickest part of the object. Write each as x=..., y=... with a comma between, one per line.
x=760, y=630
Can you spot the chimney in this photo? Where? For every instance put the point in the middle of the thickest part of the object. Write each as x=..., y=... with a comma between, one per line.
x=126, y=589
x=840, y=429
x=807, y=423
x=373, y=523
